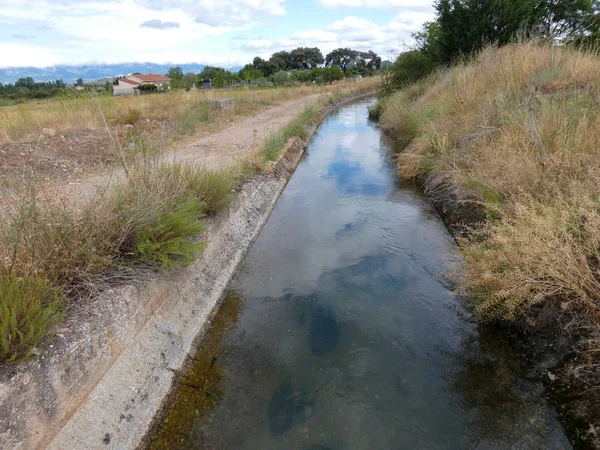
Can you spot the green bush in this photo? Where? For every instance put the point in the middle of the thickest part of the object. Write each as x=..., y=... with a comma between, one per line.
x=375, y=111
x=148, y=89
x=168, y=241
x=409, y=67
x=30, y=308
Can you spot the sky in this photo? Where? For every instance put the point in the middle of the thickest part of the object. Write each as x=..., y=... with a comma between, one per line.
x=44, y=33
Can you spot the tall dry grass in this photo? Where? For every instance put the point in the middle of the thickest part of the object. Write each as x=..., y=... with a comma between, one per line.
x=517, y=130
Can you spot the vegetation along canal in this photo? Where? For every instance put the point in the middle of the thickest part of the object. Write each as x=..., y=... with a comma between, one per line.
x=341, y=333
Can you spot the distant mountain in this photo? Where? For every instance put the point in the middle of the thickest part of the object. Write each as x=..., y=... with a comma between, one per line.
x=91, y=72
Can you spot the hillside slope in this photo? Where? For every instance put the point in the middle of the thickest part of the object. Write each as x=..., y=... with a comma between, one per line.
x=508, y=148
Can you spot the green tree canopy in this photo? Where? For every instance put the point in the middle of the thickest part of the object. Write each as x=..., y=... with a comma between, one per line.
x=188, y=80
x=250, y=73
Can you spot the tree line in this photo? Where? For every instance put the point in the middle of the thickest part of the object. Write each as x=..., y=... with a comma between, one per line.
x=301, y=65
x=463, y=27
x=28, y=88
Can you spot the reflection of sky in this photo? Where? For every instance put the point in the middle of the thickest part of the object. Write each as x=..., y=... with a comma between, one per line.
x=344, y=314
x=340, y=206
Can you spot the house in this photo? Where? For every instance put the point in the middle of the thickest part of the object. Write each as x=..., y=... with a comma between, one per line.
x=130, y=85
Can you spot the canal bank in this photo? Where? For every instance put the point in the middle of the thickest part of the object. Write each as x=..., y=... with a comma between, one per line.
x=346, y=334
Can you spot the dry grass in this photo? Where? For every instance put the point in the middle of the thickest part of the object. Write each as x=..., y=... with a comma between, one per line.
x=153, y=217
x=22, y=122
x=518, y=130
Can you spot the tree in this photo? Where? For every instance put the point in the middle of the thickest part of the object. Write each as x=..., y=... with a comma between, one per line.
x=341, y=57
x=281, y=78
x=176, y=76
x=188, y=80
x=25, y=83
x=79, y=82
x=465, y=26
x=367, y=63
x=219, y=77
x=281, y=61
x=332, y=74
x=250, y=73
x=305, y=58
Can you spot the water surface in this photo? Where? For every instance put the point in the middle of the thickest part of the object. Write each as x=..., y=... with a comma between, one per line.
x=347, y=334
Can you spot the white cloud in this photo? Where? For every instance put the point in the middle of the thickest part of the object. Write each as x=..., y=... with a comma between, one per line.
x=25, y=54
x=258, y=45
x=382, y=4
x=96, y=30
x=353, y=32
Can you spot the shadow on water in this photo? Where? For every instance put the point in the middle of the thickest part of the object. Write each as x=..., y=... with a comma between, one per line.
x=324, y=331
x=348, y=336
x=288, y=407
x=199, y=388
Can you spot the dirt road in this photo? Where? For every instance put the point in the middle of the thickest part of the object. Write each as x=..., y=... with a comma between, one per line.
x=215, y=151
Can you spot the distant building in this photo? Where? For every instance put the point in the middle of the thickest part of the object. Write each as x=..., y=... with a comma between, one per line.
x=206, y=84
x=129, y=85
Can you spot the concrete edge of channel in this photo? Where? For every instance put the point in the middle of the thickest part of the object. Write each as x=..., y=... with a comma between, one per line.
x=120, y=409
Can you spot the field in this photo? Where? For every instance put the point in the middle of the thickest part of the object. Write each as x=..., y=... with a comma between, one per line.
x=76, y=138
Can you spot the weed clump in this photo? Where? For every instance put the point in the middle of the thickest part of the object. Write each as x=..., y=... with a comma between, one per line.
x=168, y=241
x=29, y=310
x=130, y=116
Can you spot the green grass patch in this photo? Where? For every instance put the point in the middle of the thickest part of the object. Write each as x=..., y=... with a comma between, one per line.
x=296, y=128
x=187, y=122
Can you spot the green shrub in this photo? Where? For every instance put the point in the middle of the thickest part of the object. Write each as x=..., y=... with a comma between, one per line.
x=147, y=89
x=375, y=111
x=30, y=308
x=168, y=241
x=409, y=67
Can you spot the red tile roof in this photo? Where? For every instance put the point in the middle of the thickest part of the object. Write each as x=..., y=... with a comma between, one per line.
x=135, y=83
x=152, y=77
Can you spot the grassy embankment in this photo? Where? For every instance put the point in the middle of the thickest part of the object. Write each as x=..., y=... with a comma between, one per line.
x=53, y=253
x=514, y=135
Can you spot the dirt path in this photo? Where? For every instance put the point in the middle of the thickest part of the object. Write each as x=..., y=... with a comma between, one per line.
x=236, y=142
x=215, y=151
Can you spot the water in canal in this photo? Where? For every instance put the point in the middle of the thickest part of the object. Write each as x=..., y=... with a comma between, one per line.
x=342, y=333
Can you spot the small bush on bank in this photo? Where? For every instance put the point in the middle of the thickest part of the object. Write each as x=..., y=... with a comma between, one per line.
x=168, y=241
x=409, y=67
x=29, y=310
x=152, y=217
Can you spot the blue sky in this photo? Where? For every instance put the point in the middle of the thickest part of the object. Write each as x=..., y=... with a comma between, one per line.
x=44, y=33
